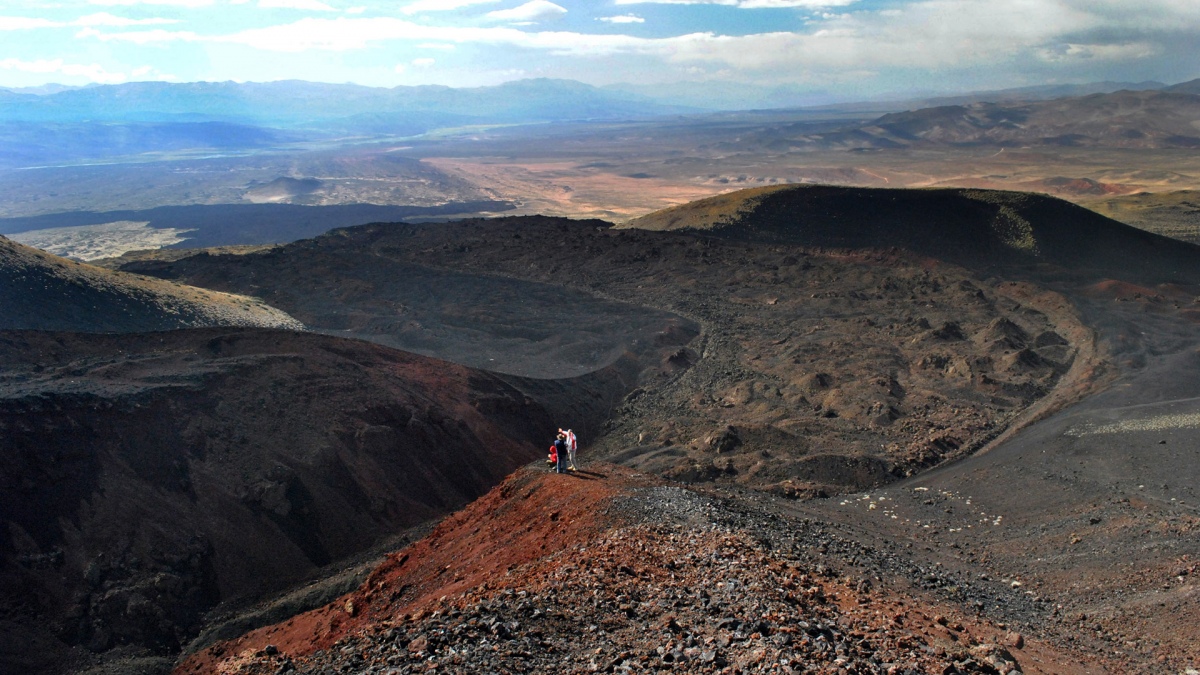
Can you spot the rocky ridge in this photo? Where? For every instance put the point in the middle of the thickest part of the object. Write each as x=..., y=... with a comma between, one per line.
x=148, y=478
x=630, y=574
x=40, y=291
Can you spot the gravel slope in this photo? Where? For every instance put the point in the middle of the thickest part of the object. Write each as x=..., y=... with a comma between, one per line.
x=40, y=291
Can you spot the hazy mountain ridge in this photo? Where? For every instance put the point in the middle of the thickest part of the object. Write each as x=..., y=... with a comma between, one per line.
x=743, y=96
x=1189, y=87
x=1123, y=119
x=160, y=116
x=114, y=121
x=140, y=117
x=299, y=103
x=1041, y=92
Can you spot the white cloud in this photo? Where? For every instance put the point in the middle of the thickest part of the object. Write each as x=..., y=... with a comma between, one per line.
x=307, y=5
x=944, y=36
x=423, y=62
x=106, y=19
x=355, y=10
x=530, y=12
x=173, y=3
x=1068, y=52
x=98, y=19
x=25, y=23
x=90, y=72
x=624, y=18
x=142, y=37
x=746, y=4
x=787, y=4
x=344, y=34
x=441, y=5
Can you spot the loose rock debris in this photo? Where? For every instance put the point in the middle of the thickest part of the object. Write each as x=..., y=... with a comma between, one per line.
x=656, y=577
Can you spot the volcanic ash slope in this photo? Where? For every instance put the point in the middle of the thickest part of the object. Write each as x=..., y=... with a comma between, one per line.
x=1010, y=233
x=40, y=291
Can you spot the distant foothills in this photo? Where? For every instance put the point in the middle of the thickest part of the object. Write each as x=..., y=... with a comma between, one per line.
x=292, y=101
x=295, y=104
x=55, y=123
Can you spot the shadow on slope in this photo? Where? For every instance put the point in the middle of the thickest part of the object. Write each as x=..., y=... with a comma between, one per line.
x=245, y=224
x=40, y=291
x=355, y=282
x=981, y=229
x=148, y=477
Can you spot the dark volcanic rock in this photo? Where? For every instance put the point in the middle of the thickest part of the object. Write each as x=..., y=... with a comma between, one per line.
x=356, y=283
x=998, y=232
x=147, y=477
x=809, y=354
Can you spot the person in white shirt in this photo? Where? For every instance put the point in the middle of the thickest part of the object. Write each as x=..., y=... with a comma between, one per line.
x=571, y=447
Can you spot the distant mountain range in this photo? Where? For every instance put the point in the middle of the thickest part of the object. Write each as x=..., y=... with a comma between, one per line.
x=1045, y=92
x=298, y=104
x=1150, y=119
x=52, y=125
x=1146, y=119
x=55, y=125
x=745, y=96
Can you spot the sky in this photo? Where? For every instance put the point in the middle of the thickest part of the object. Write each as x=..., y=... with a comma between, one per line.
x=841, y=48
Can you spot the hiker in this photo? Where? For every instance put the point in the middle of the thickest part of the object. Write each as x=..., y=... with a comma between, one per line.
x=552, y=459
x=559, y=453
x=569, y=436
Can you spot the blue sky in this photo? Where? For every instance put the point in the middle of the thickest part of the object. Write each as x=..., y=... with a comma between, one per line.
x=848, y=48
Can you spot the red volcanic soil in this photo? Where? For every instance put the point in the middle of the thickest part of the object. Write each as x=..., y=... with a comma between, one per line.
x=614, y=571
x=147, y=477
